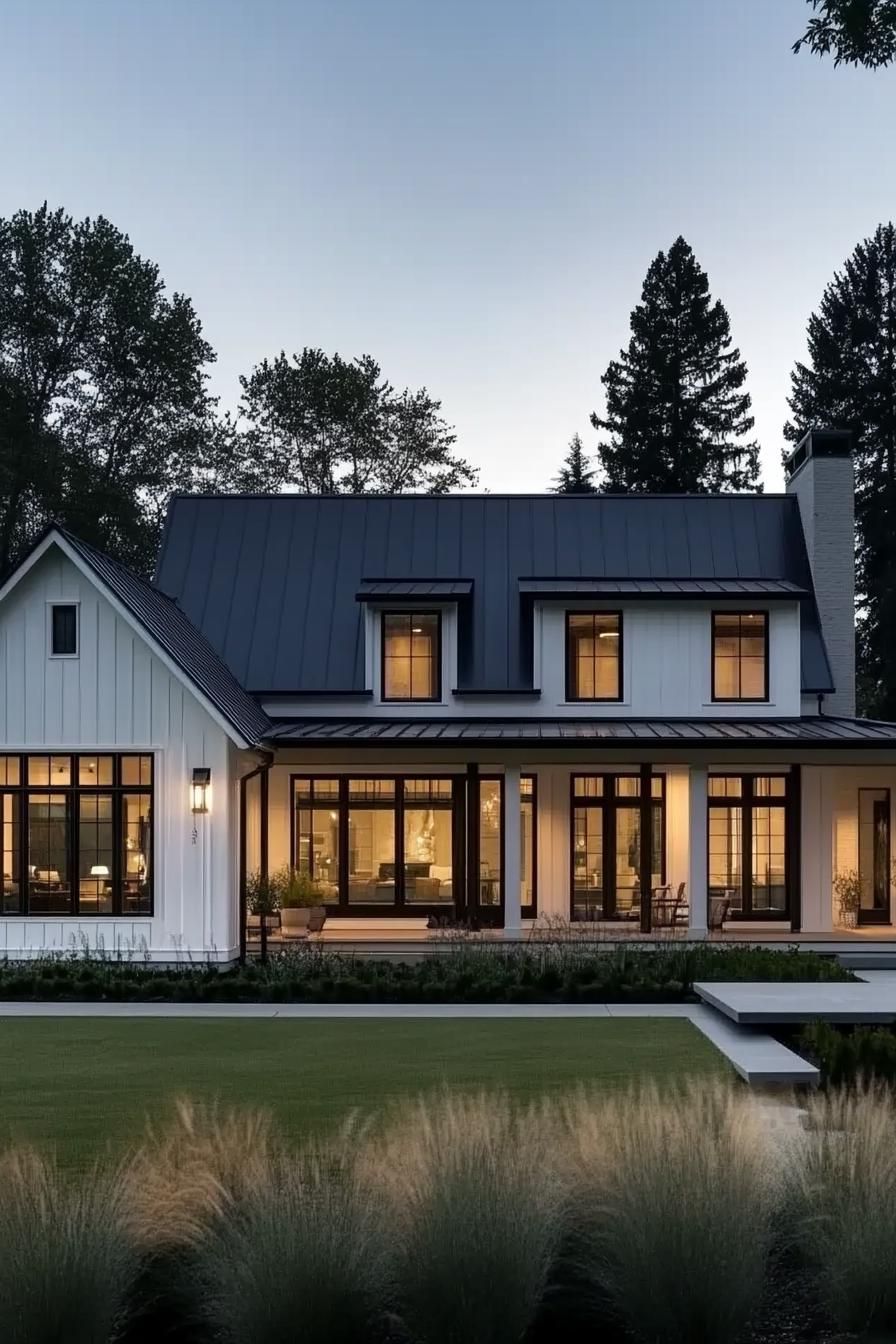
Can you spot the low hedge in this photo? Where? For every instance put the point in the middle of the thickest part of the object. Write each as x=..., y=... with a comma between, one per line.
x=472, y=973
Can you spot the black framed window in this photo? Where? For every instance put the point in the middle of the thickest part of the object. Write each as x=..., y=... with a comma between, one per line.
x=749, y=863
x=412, y=655
x=64, y=630
x=605, y=844
x=379, y=842
x=593, y=655
x=77, y=834
x=739, y=655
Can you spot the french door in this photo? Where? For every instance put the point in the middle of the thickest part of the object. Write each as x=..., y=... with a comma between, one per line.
x=749, y=858
x=606, y=845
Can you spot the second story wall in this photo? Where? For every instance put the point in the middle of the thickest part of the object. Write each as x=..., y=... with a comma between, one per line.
x=666, y=669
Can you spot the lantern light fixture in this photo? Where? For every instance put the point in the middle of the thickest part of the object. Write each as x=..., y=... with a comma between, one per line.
x=201, y=788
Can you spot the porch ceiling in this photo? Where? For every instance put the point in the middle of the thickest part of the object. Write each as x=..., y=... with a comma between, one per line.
x=806, y=732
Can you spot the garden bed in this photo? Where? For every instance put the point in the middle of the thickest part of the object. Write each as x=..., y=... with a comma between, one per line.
x=676, y=1217
x=468, y=973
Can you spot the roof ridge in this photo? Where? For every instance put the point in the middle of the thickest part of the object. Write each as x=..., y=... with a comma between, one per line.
x=230, y=495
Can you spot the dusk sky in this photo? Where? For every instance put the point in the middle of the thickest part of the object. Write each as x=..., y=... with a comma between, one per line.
x=470, y=190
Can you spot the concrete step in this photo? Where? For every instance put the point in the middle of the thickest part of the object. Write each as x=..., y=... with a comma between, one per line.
x=760, y=1003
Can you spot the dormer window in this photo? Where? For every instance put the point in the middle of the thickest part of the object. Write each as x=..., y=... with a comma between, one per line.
x=412, y=655
x=64, y=630
x=594, y=655
x=739, y=655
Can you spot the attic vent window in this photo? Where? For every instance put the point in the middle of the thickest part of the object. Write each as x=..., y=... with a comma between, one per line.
x=64, y=630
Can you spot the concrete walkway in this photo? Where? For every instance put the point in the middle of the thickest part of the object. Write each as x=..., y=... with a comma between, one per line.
x=755, y=1056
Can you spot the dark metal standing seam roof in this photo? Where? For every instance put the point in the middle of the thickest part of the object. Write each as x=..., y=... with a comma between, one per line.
x=173, y=632
x=271, y=581
x=818, y=732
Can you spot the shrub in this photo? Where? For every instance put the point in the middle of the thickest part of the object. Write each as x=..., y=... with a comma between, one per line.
x=475, y=1206
x=67, y=1266
x=848, y=1056
x=845, y=1189
x=302, y=1256
x=671, y=1208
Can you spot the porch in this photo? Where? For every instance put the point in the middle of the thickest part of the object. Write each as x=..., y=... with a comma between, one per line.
x=414, y=849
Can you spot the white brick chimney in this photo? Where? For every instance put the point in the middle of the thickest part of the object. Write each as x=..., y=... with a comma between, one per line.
x=820, y=475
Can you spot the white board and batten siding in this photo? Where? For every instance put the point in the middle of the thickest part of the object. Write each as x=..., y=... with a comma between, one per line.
x=666, y=669
x=118, y=695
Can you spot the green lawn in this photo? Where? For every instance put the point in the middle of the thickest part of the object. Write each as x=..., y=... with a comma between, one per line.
x=82, y=1084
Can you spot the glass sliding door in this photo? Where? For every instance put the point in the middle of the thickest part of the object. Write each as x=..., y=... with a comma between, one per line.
x=874, y=855
x=428, y=842
x=372, y=834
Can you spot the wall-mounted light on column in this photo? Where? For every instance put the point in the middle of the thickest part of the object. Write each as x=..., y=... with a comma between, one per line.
x=201, y=789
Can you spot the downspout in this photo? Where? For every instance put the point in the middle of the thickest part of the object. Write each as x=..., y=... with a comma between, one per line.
x=266, y=760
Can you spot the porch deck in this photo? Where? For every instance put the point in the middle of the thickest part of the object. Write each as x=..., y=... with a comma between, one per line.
x=873, y=945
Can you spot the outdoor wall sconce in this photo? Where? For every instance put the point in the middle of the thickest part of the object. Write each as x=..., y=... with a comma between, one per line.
x=201, y=788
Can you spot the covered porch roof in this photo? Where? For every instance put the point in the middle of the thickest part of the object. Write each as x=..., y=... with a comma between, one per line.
x=819, y=731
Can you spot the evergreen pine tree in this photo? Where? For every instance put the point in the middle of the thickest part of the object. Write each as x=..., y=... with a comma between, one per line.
x=575, y=477
x=850, y=383
x=676, y=412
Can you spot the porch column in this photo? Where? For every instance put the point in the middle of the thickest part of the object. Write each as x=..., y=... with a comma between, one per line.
x=645, y=858
x=698, y=889
x=513, y=919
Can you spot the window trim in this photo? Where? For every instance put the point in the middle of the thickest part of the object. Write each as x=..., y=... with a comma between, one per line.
x=571, y=697
x=739, y=699
x=52, y=604
x=437, y=657
x=73, y=792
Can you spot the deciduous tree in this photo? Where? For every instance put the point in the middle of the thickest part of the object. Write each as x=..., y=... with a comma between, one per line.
x=104, y=377
x=326, y=425
x=858, y=32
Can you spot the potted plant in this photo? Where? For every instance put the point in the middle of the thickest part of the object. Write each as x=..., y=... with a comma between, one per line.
x=263, y=899
x=848, y=890
x=300, y=898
